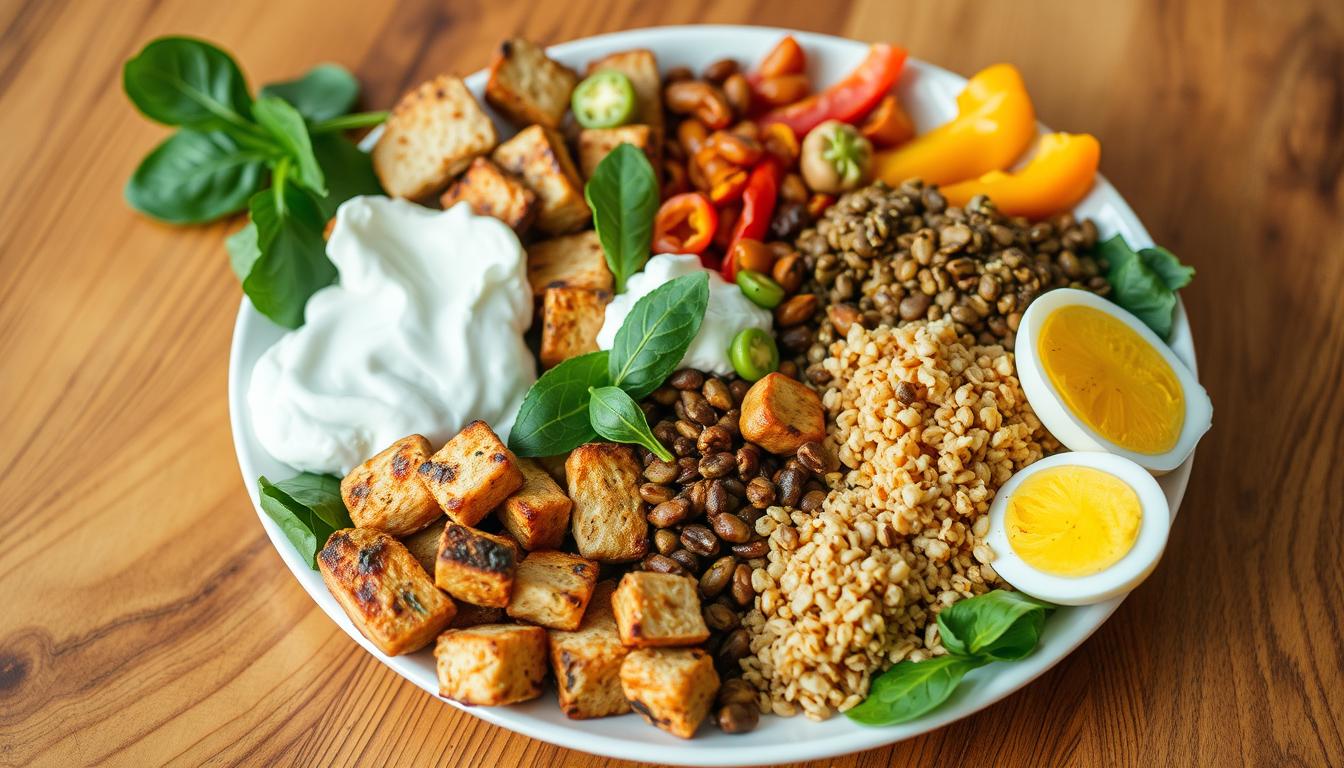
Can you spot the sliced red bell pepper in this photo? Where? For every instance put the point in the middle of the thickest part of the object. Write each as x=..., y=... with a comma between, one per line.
x=758, y=205
x=684, y=224
x=847, y=100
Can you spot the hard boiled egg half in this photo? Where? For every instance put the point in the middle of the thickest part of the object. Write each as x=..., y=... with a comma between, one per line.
x=1101, y=380
x=1078, y=528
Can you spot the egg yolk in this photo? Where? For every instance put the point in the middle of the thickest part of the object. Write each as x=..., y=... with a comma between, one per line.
x=1112, y=379
x=1072, y=521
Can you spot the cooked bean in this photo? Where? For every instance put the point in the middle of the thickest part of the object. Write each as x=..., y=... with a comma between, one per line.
x=752, y=549
x=812, y=501
x=736, y=149
x=720, y=617
x=717, y=577
x=687, y=378
x=701, y=99
x=789, y=271
x=718, y=394
x=796, y=309
x=738, y=718
x=737, y=89
x=683, y=447
x=760, y=492
x=716, y=499
x=699, y=540
x=717, y=464
x=906, y=392
x=814, y=456
x=660, y=471
x=731, y=529
x=790, y=482
x=687, y=429
x=713, y=440
x=730, y=422
x=719, y=71
x=741, y=589
x=665, y=541
x=748, y=461
x=739, y=389
x=698, y=495
x=687, y=559
x=783, y=89
x=662, y=564
x=654, y=493
x=669, y=513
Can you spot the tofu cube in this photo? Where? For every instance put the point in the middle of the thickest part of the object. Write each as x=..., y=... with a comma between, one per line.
x=471, y=474
x=555, y=467
x=608, y=517
x=552, y=589
x=424, y=545
x=537, y=515
x=539, y=156
x=383, y=492
x=671, y=688
x=475, y=566
x=779, y=414
x=492, y=192
x=641, y=66
x=527, y=86
x=432, y=135
x=469, y=615
x=657, y=609
x=572, y=261
x=595, y=143
x=587, y=662
x=492, y=664
x=384, y=591
x=571, y=318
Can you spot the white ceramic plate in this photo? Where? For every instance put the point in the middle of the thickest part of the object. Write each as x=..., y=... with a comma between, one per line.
x=928, y=93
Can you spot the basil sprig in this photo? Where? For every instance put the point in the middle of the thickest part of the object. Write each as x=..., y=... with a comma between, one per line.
x=996, y=626
x=217, y=163
x=1145, y=282
x=595, y=394
x=623, y=194
x=308, y=508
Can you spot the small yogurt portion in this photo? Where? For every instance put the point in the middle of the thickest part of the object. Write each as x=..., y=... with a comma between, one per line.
x=423, y=333
x=727, y=314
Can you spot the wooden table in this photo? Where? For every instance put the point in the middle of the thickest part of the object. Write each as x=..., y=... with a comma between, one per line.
x=147, y=620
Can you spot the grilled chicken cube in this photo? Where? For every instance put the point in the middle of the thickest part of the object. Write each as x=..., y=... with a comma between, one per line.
x=474, y=566
x=587, y=661
x=552, y=589
x=527, y=86
x=424, y=545
x=608, y=518
x=492, y=192
x=641, y=66
x=536, y=515
x=671, y=688
x=539, y=156
x=384, y=591
x=571, y=318
x=471, y=474
x=432, y=135
x=780, y=414
x=491, y=664
x=596, y=143
x=383, y=492
x=655, y=609
x=573, y=261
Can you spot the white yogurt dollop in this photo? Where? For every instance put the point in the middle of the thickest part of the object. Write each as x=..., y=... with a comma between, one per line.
x=727, y=314
x=423, y=334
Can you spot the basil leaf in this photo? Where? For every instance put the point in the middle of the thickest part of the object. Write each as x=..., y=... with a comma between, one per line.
x=655, y=335
x=1165, y=264
x=1136, y=287
x=194, y=177
x=1000, y=625
x=623, y=194
x=243, y=250
x=327, y=91
x=912, y=688
x=189, y=82
x=308, y=508
x=286, y=124
x=554, y=415
x=292, y=263
x=617, y=417
x=349, y=172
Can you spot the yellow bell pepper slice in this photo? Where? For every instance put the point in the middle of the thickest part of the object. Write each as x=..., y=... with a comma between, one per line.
x=995, y=123
x=1054, y=180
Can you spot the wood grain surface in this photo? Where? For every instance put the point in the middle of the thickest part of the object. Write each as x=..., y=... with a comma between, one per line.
x=146, y=620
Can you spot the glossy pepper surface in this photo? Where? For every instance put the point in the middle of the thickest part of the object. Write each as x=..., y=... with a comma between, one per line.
x=684, y=224
x=758, y=205
x=995, y=123
x=1055, y=179
x=847, y=100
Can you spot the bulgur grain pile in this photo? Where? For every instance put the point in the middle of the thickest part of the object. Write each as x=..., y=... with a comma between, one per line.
x=927, y=429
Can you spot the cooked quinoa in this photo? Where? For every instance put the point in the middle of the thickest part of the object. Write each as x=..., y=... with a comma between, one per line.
x=927, y=426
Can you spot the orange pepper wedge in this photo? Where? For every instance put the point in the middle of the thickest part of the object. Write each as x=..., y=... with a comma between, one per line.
x=1054, y=180
x=995, y=123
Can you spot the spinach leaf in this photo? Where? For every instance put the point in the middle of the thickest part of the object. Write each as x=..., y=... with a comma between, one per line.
x=1000, y=625
x=349, y=172
x=286, y=124
x=196, y=177
x=623, y=194
x=912, y=688
x=1136, y=287
x=617, y=417
x=327, y=91
x=291, y=261
x=1165, y=264
x=308, y=508
x=554, y=415
x=188, y=82
x=655, y=335
x=243, y=250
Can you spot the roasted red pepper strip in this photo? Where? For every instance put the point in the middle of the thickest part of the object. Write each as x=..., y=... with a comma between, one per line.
x=847, y=100
x=684, y=224
x=758, y=205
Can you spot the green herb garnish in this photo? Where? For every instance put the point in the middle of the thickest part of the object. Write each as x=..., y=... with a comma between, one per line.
x=996, y=626
x=216, y=164
x=553, y=418
x=1145, y=283
x=617, y=417
x=308, y=508
x=623, y=194
x=656, y=334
